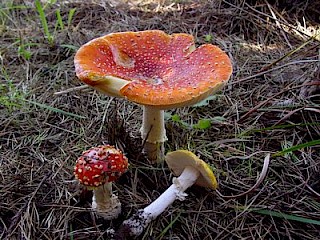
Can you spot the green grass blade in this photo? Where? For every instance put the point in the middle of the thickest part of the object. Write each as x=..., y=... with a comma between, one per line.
x=297, y=147
x=44, y=22
x=71, y=47
x=168, y=227
x=70, y=15
x=59, y=19
x=57, y=110
x=49, y=3
x=286, y=216
x=71, y=232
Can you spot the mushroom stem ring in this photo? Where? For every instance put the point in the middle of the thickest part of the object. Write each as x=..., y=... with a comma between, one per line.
x=153, y=132
x=106, y=204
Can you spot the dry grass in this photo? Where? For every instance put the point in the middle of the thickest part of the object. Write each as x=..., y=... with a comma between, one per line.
x=269, y=104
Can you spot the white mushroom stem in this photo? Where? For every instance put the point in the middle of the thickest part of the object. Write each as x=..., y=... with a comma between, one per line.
x=138, y=222
x=153, y=133
x=106, y=204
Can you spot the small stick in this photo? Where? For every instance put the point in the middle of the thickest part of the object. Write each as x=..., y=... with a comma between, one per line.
x=259, y=181
x=289, y=87
x=78, y=88
x=288, y=54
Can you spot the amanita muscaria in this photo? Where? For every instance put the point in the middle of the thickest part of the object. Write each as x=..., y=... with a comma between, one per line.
x=96, y=169
x=153, y=69
x=189, y=170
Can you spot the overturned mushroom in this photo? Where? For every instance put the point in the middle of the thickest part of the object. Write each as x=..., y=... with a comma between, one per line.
x=191, y=170
x=153, y=69
x=96, y=169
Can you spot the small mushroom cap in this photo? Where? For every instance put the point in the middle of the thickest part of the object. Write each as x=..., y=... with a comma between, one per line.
x=99, y=165
x=180, y=159
x=153, y=68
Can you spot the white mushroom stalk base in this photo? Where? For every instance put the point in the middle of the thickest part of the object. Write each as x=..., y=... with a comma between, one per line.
x=106, y=204
x=138, y=222
x=153, y=133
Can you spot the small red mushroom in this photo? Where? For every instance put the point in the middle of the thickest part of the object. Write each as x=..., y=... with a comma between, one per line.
x=96, y=169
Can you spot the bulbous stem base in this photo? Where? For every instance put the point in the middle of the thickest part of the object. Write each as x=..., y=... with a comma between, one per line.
x=104, y=203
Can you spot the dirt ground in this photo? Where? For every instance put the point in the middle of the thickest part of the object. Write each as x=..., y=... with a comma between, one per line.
x=271, y=105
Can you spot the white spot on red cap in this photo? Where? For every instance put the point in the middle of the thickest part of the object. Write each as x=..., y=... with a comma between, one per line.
x=104, y=163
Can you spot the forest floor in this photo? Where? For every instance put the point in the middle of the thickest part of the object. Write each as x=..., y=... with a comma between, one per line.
x=269, y=107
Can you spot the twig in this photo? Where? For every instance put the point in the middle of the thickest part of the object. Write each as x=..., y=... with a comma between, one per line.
x=287, y=116
x=260, y=105
x=313, y=191
x=255, y=13
x=262, y=176
x=17, y=217
x=273, y=69
x=78, y=88
x=294, y=111
x=288, y=54
x=279, y=93
x=277, y=23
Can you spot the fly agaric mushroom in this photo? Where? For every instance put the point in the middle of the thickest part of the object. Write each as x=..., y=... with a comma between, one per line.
x=153, y=69
x=96, y=169
x=190, y=170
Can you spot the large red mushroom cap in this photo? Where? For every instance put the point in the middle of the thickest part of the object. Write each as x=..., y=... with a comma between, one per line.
x=99, y=165
x=153, y=68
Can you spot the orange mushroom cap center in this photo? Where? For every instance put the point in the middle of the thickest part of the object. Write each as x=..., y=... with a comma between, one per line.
x=162, y=69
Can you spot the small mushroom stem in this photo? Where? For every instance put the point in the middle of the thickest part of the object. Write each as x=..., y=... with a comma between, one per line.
x=153, y=133
x=106, y=204
x=138, y=222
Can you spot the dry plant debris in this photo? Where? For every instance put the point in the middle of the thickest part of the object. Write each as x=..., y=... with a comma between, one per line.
x=270, y=105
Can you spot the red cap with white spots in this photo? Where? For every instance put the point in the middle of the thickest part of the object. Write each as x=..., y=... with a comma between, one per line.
x=99, y=165
x=160, y=70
